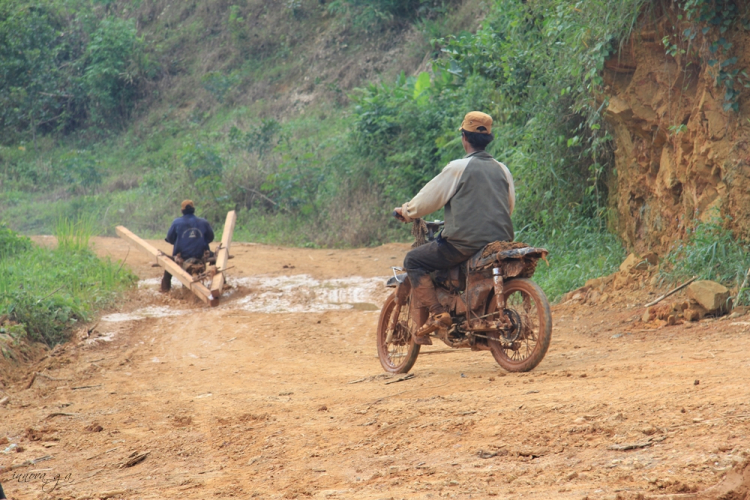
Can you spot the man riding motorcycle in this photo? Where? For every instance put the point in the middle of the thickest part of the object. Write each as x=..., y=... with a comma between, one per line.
x=478, y=194
x=190, y=236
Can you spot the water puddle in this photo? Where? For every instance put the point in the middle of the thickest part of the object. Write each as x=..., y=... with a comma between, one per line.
x=266, y=294
x=303, y=293
x=145, y=313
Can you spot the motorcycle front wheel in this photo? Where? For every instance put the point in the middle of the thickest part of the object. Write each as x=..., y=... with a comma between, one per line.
x=523, y=348
x=400, y=353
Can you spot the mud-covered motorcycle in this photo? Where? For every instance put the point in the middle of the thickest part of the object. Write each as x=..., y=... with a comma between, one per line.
x=493, y=303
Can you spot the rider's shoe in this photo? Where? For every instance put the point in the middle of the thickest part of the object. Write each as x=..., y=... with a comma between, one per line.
x=166, y=283
x=424, y=340
x=435, y=323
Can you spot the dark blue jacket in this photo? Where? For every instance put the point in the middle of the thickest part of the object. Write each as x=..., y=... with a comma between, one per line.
x=190, y=236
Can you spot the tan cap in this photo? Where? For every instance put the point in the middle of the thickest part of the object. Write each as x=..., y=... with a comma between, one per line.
x=478, y=122
x=187, y=203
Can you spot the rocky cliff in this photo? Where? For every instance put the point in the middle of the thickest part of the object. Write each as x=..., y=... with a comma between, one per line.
x=680, y=157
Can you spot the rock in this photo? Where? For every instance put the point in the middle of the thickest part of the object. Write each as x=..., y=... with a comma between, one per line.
x=668, y=176
x=708, y=294
x=641, y=266
x=622, y=280
x=663, y=311
x=651, y=258
x=619, y=107
x=629, y=263
x=110, y=494
x=648, y=315
x=694, y=313
x=594, y=283
x=712, y=211
x=739, y=311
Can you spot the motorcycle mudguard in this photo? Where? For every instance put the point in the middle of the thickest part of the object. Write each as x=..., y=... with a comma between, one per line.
x=395, y=280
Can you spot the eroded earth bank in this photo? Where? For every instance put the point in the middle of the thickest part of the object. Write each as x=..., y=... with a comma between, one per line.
x=278, y=393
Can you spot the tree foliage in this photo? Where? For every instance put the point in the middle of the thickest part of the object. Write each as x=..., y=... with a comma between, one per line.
x=533, y=66
x=64, y=67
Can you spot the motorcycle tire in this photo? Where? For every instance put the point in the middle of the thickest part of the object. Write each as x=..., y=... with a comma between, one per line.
x=529, y=303
x=401, y=353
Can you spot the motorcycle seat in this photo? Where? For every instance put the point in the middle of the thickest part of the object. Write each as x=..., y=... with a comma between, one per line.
x=500, y=251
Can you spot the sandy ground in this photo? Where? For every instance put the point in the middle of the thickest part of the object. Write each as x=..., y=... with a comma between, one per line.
x=278, y=393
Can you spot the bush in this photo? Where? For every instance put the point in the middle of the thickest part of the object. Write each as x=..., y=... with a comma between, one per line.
x=64, y=69
x=12, y=244
x=31, y=81
x=115, y=63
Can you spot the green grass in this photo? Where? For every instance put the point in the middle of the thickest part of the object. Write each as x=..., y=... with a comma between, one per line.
x=711, y=252
x=50, y=291
x=580, y=252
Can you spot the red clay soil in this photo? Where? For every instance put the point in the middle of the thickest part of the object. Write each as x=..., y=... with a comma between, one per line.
x=196, y=403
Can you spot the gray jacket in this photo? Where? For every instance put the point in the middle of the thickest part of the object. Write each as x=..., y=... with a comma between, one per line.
x=478, y=195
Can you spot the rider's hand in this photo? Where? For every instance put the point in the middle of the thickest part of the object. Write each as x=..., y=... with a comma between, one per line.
x=399, y=214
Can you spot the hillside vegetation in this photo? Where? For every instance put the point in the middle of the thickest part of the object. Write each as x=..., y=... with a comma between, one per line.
x=312, y=118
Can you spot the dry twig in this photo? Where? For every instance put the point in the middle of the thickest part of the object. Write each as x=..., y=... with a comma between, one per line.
x=135, y=458
x=401, y=379
x=671, y=292
x=59, y=414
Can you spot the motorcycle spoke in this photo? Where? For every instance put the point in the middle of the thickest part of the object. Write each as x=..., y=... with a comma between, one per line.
x=524, y=346
x=399, y=347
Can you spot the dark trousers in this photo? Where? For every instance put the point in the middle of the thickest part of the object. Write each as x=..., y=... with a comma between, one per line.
x=166, y=282
x=436, y=255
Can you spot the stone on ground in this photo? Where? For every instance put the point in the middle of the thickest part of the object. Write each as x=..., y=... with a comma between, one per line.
x=651, y=258
x=629, y=263
x=710, y=295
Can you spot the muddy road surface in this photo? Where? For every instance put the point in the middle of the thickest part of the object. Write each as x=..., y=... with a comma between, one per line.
x=278, y=393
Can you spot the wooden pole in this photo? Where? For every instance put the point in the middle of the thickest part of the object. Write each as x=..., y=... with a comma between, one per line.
x=222, y=257
x=198, y=288
x=671, y=292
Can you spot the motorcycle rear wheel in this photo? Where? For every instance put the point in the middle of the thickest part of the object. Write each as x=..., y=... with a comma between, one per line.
x=401, y=353
x=530, y=304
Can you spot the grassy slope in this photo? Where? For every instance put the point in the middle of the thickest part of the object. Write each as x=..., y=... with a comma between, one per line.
x=293, y=66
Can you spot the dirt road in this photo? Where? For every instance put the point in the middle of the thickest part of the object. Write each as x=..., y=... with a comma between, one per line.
x=278, y=393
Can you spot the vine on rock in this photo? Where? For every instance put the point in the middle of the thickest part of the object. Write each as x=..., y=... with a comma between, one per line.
x=712, y=19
